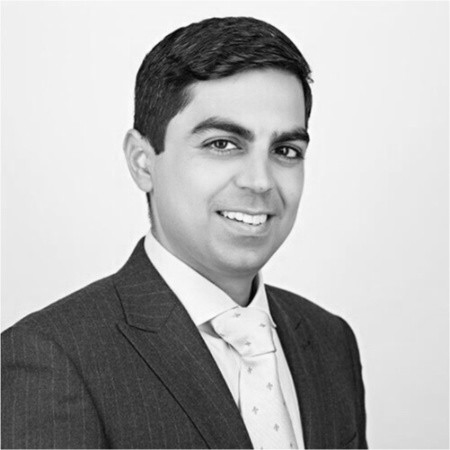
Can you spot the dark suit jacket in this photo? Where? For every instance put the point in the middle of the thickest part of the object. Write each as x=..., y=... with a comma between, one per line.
x=120, y=364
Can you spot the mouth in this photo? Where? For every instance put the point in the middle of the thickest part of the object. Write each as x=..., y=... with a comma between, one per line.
x=254, y=220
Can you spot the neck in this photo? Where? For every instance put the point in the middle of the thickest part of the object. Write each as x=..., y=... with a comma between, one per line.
x=241, y=291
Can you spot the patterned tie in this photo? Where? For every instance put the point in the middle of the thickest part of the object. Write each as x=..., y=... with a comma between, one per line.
x=249, y=332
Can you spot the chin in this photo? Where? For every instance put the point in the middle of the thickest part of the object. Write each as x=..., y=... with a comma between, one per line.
x=245, y=263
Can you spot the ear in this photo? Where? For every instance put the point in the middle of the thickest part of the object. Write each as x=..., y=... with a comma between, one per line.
x=140, y=157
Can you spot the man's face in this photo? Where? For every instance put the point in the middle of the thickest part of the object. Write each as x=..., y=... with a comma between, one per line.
x=227, y=186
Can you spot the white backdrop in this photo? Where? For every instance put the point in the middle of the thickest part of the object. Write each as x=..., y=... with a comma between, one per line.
x=371, y=241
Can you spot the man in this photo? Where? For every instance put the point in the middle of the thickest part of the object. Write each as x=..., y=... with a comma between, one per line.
x=185, y=347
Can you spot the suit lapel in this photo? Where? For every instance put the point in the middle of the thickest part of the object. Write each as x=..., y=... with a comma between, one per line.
x=308, y=371
x=164, y=335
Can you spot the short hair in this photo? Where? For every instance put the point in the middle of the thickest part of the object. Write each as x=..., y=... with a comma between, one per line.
x=208, y=50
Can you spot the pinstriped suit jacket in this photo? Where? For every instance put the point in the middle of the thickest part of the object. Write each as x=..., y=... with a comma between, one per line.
x=120, y=364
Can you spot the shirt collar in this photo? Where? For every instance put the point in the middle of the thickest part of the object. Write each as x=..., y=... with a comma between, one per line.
x=202, y=299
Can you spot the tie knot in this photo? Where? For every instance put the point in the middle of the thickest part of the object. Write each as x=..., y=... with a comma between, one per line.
x=247, y=330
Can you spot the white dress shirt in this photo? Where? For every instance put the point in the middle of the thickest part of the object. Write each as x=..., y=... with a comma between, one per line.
x=203, y=301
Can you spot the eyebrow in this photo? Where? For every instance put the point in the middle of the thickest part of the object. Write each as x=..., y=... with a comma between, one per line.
x=298, y=134
x=216, y=123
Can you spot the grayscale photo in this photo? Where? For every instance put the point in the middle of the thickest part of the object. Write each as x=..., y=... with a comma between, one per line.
x=225, y=225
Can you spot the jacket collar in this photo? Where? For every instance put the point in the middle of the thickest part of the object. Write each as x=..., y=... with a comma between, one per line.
x=161, y=331
x=146, y=299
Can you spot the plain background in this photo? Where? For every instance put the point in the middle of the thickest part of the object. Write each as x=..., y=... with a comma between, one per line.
x=371, y=241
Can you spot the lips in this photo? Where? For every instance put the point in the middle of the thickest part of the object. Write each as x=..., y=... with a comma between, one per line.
x=249, y=219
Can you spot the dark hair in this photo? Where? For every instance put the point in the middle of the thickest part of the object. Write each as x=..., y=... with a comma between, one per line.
x=207, y=50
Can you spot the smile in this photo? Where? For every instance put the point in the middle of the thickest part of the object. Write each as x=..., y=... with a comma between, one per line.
x=250, y=219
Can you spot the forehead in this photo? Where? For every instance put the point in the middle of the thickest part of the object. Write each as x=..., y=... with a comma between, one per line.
x=258, y=99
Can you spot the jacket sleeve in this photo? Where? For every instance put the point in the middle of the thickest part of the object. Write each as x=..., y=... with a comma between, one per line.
x=359, y=386
x=45, y=403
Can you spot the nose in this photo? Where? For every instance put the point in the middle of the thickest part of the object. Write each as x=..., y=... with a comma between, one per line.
x=255, y=174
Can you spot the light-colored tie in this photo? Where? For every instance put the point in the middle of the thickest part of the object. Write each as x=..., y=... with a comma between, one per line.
x=249, y=332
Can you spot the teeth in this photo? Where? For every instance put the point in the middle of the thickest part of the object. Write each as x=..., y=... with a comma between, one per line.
x=257, y=219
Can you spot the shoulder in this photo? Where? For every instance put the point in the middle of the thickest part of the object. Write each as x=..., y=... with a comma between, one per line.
x=86, y=307
x=319, y=321
x=297, y=304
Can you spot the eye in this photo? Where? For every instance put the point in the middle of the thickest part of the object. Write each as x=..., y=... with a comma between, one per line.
x=288, y=152
x=222, y=145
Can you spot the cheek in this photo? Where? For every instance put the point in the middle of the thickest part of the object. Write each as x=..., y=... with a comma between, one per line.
x=207, y=178
x=190, y=185
x=290, y=185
